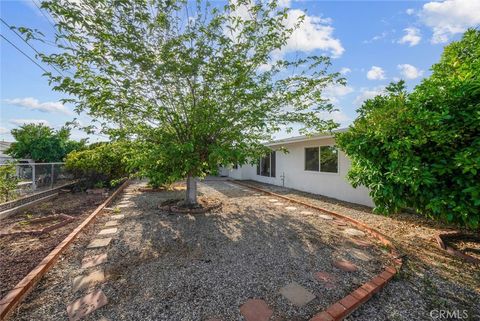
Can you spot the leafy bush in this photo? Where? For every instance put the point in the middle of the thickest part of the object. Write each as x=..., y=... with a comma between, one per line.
x=422, y=150
x=8, y=182
x=104, y=163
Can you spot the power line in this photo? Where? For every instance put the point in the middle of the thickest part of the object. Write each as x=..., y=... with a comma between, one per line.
x=36, y=51
x=23, y=53
x=49, y=18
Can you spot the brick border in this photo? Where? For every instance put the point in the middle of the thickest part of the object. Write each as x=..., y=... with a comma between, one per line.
x=344, y=307
x=15, y=296
x=441, y=241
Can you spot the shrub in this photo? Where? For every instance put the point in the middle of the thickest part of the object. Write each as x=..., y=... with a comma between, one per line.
x=8, y=182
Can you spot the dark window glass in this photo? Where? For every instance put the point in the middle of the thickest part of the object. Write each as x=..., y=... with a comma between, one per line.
x=265, y=166
x=311, y=159
x=329, y=159
x=258, y=167
x=273, y=162
x=235, y=166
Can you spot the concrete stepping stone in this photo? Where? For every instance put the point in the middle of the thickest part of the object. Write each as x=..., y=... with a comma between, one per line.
x=272, y=200
x=290, y=208
x=339, y=223
x=306, y=212
x=108, y=209
x=111, y=223
x=345, y=265
x=325, y=277
x=359, y=254
x=353, y=232
x=96, y=243
x=85, y=281
x=117, y=217
x=86, y=305
x=256, y=310
x=107, y=231
x=278, y=204
x=360, y=243
x=95, y=260
x=326, y=217
x=125, y=205
x=297, y=294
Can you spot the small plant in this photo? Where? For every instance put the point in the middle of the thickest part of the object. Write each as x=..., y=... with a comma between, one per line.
x=99, y=184
x=8, y=182
x=116, y=210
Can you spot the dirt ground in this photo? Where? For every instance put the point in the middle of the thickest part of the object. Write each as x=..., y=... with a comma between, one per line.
x=19, y=254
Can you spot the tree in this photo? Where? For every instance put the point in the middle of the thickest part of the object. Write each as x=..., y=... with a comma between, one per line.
x=194, y=85
x=41, y=143
x=8, y=182
x=422, y=150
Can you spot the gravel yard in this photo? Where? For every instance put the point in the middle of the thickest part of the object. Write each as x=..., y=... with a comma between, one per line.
x=164, y=266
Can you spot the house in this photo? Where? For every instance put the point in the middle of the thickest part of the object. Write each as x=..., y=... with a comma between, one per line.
x=312, y=164
x=3, y=156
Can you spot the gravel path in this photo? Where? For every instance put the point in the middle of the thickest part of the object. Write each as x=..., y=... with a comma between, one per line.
x=430, y=280
x=197, y=267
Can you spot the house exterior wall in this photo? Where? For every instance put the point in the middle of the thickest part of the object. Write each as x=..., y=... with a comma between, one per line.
x=292, y=166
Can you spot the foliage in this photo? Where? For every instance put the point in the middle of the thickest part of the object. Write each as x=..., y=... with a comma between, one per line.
x=42, y=144
x=194, y=84
x=104, y=163
x=8, y=182
x=422, y=150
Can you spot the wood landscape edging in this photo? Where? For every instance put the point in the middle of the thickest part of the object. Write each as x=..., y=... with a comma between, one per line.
x=345, y=306
x=15, y=296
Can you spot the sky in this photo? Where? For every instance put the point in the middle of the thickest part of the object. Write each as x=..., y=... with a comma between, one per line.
x=370, y=42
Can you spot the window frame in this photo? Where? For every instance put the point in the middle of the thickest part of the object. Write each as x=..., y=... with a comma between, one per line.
x=305, y=159
x=320, y=160
x=271, y=173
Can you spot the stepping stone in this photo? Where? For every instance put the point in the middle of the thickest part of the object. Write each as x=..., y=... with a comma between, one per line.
x=256, y=310
x=325, y=277
x=125, y=205
x=117, y=217
x=108, y=231
x=360, y=255
x=306, y=212
x=339, y=223
x=273, y=200
x=325, y=217
x=95, y=260
x=108, y=209
x=84, y=281
x=111, y=223
x=297, y=294
x=360, y=243
x=353, y=232
x=278, y=204
x=96, y=243
x=345, y=265
x=86, y=305
x=290, y=208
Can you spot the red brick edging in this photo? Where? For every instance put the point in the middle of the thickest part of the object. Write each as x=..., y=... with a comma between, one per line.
x=344, y=307
x=442, y=244
x=13, y=298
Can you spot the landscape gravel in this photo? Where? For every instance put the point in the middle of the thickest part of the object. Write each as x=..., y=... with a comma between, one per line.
x=164, y=266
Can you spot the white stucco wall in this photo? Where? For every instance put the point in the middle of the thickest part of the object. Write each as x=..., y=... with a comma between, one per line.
x=292, y=165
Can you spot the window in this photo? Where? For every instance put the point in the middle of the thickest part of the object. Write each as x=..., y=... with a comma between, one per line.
x=328, y=159
x=235, y=166
x=267, y=165
x=311, y=159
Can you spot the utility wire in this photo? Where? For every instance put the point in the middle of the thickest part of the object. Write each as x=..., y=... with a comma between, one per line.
x=36, y=51
x=31, y=59
x=49, y=18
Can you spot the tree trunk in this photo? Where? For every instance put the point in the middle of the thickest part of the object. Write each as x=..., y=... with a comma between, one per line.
x=191, y=196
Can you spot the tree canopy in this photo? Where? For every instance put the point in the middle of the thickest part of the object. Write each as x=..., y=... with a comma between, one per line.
x=421, y=150
x=195, y=85
x=42, y=144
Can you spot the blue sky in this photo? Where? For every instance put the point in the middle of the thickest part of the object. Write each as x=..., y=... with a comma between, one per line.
x=371, y=42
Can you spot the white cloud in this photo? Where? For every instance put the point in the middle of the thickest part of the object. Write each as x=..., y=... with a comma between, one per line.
x=315, y=33
x=368, y=93
x=409, y=71
x=450, y=17
x=410, y=11
x=377, y=37
x=20, y=122
x=284, y=3
x=376, y=73
x=412, y=37
x=337, y=116
x=34, y=104
x=335, y=92
x=3, y=130
x=345, y=70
